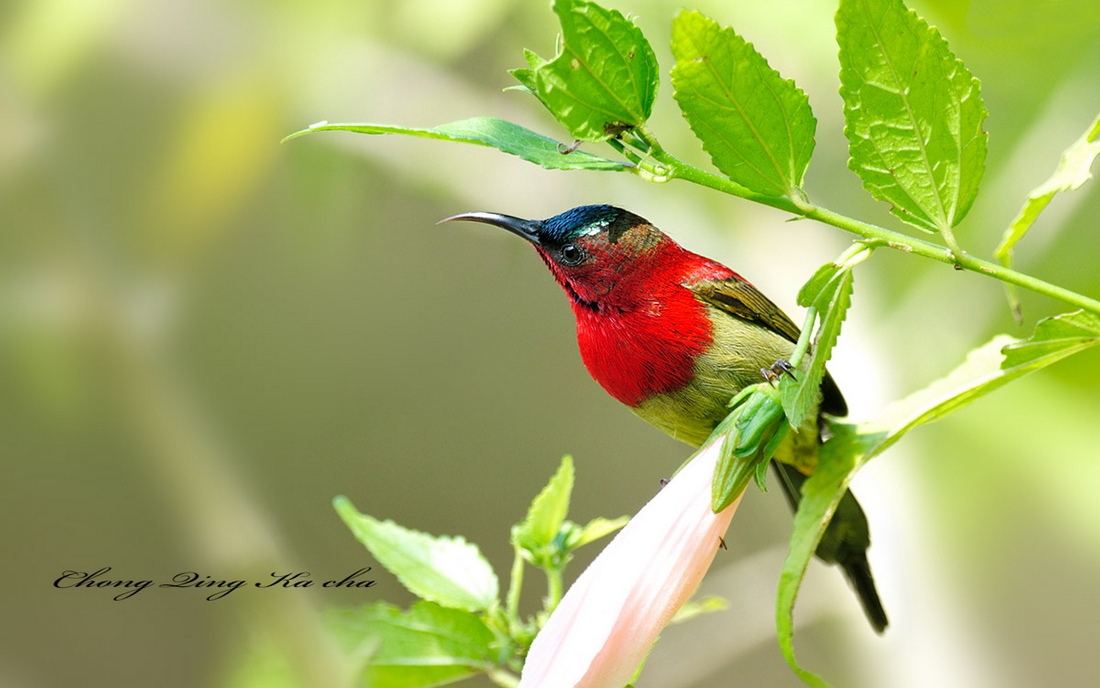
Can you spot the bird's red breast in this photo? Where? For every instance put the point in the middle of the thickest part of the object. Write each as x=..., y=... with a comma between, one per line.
x=643, y=332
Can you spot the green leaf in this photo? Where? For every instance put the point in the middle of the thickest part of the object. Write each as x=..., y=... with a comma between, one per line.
x=1054, y=338
x=579, y=536
x=446, y=570
x=829, y=291
x=547, y=512
x=1072, y=172
x=757, y=126
x=820, y=496
x=694, y=608
x=750, y=436
x=604, y=79
x=545, y=537
x=811, y=291
x=429, y=645
x=503, y=135
x=913, y=113
x=526, y=77
x=978, y=375
x=986, y=368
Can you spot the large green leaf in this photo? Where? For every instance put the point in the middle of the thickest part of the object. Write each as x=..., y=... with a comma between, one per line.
x=820, y=496
x=756, y=125
x=605, y=78
x=913, y=113
x=429, y=645
x=986, y=368
x=503, y=135
x=446, y=570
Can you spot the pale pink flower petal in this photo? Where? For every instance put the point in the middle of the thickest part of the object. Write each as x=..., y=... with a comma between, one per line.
x=609, y=619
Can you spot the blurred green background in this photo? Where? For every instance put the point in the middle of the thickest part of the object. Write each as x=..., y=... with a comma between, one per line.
x=206, y=335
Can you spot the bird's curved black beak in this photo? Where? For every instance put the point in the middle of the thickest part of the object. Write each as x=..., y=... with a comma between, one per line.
x=528, y=229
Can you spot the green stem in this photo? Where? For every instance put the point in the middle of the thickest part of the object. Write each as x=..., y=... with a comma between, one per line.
x=958, y=258
x=952, y=244
x=514, y=586
x=674, y=168
x=678, y=169
x=553, y=588
x=804, y=338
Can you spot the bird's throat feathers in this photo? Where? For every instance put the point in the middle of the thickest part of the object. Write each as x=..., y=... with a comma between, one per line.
x=640, y=328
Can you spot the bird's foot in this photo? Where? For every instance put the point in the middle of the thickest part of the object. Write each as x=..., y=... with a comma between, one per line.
x=566, y=150
x=777, y=371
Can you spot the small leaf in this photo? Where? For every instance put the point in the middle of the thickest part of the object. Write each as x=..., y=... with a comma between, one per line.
x=526, y=77
x=605, y=77
x=489, y=131
x=548, y=510
x=831, y=297
x=731, y=474
x=533, y=60
x=429, y=645
x=446, y=570
x=694, y=608
x=913, y=113
x=757, y=126
x=1072, y=172
x=579, y=536
x=811, y=291
x=749, y=436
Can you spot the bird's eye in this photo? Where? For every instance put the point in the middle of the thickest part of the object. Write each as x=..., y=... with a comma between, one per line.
x=571, y=255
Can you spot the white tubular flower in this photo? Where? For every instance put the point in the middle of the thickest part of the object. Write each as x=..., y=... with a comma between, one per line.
x=609, y=619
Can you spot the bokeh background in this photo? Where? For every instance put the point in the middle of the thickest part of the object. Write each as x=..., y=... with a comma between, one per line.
x=205, y=336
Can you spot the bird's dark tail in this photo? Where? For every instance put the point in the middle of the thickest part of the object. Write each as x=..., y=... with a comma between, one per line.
x=859, y=575
x=844, y=542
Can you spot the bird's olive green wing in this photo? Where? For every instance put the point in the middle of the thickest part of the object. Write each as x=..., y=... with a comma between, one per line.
x=742, y=300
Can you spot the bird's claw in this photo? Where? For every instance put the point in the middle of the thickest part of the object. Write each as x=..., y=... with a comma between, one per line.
x=566, y=150
x=777, y=370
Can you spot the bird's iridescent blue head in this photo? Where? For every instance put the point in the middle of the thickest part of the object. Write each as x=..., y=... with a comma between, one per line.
x=589, y=220
x=554, y=233
x=589, y=249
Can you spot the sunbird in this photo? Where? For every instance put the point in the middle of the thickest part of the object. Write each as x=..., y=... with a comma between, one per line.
x=675, y=336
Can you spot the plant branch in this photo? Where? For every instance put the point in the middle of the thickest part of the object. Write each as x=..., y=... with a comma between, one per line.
x=674, y=168
x=957, y=257
x=554, y=587
x=514, y=586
